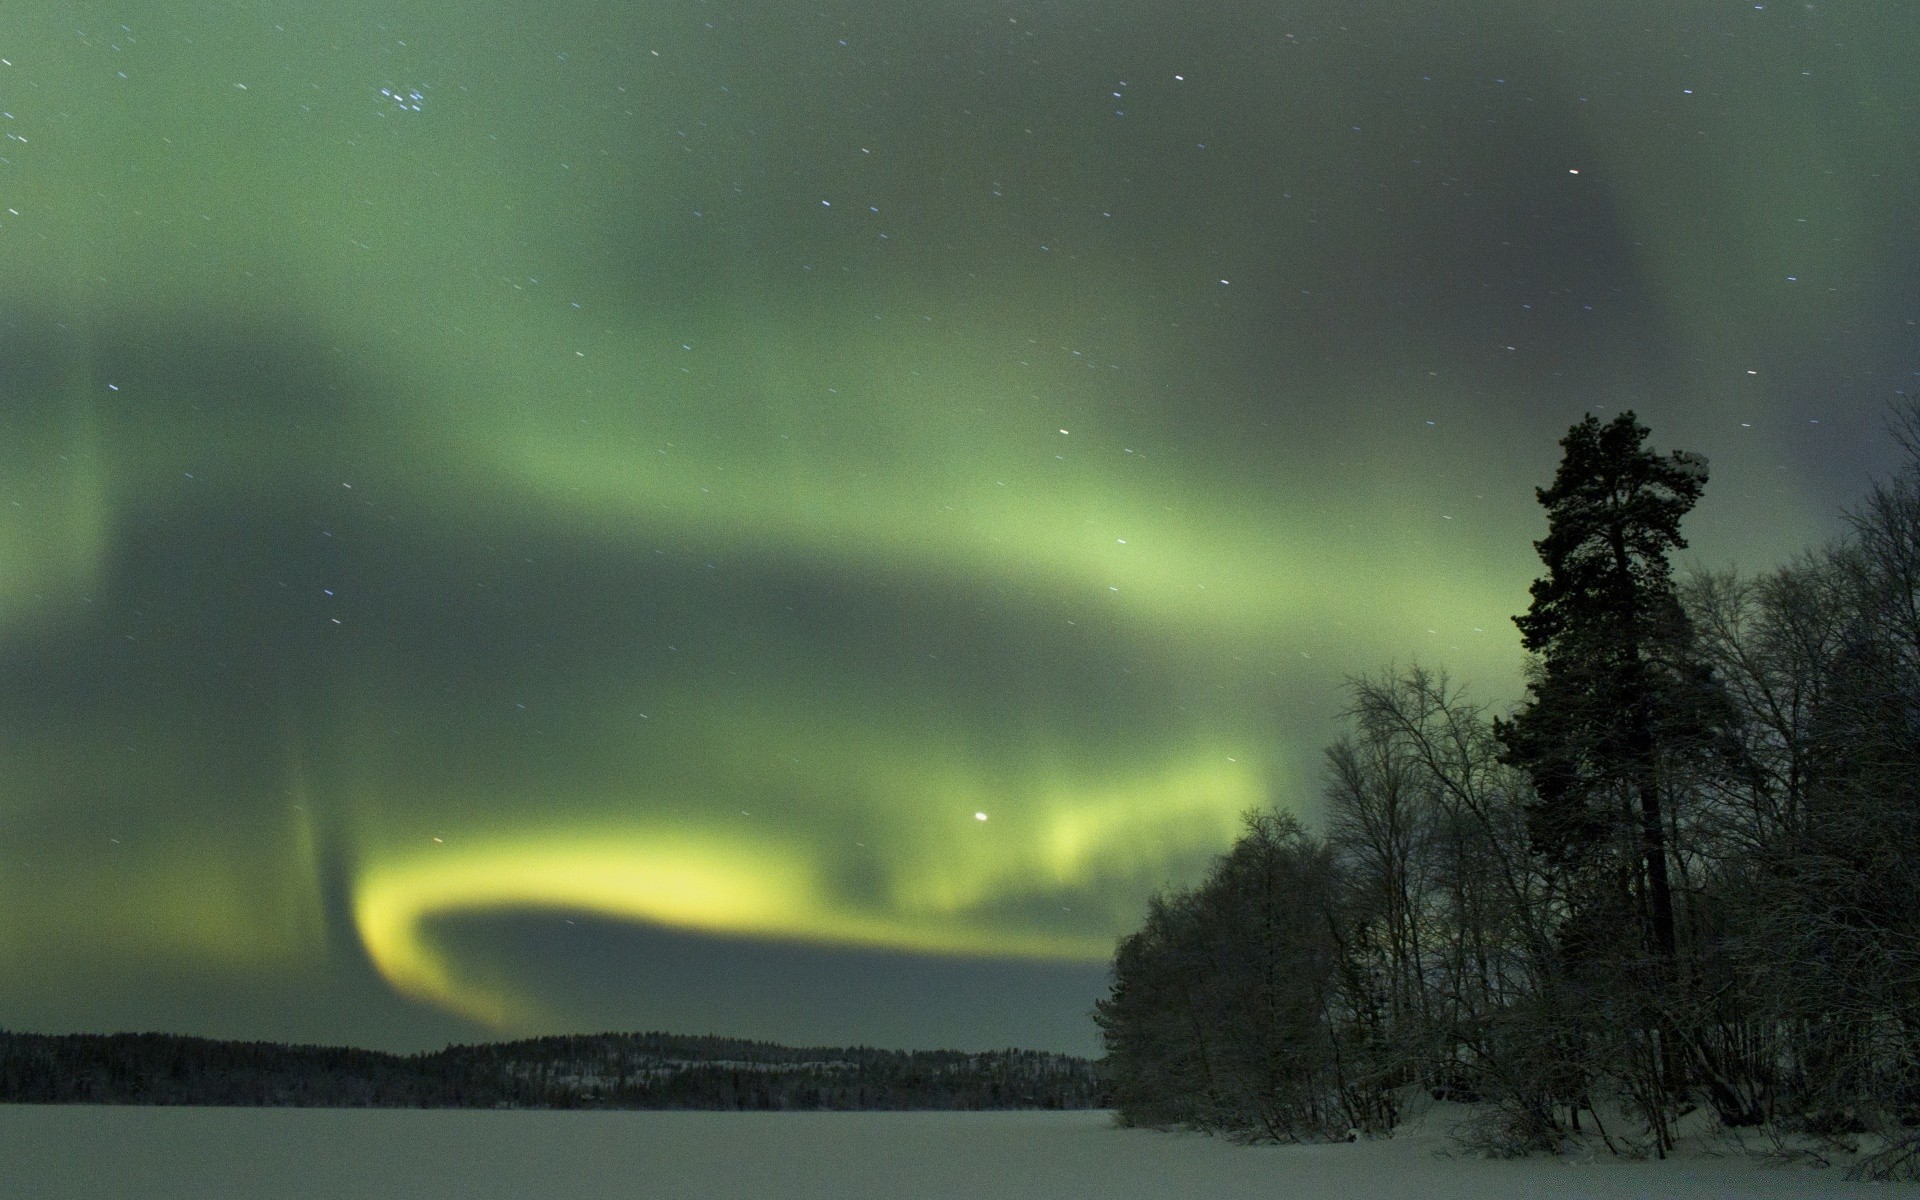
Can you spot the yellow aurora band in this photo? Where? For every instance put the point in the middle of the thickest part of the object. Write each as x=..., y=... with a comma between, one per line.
x=936, y=898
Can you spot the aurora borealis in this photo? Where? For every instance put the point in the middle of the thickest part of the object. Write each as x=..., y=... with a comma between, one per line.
x=518, y=518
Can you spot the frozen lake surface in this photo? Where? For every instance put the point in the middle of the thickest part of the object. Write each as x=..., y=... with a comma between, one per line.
x=225, y=1154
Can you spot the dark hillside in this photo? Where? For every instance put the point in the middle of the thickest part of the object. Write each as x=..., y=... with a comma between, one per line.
x=612, y=1070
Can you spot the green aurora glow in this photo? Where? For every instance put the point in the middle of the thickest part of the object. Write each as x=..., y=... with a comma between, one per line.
x=508, y=558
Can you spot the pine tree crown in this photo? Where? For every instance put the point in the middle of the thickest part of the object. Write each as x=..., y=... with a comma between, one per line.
x=1613, y=515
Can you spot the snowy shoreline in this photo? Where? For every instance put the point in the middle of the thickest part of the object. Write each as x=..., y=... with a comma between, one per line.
x=105, y=1153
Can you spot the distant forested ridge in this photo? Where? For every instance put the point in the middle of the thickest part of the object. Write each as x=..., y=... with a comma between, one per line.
x=610, y=1070
x=1682, y=875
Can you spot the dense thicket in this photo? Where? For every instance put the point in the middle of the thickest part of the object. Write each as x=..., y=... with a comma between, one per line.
x=646, y=1070
x=1685, y=872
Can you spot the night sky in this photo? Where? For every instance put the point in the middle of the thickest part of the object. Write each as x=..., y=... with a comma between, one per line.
x=792, y=520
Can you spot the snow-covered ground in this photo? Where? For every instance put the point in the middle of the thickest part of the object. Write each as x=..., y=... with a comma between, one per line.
x=260, y=1154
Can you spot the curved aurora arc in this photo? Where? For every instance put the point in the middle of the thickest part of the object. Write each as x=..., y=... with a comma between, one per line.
x=933, y=903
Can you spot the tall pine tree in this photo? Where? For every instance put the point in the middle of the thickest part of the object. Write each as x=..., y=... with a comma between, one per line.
x=1618, y=687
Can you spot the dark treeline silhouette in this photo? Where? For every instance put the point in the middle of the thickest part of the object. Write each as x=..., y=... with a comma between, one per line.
x=642, y=1071
x=1683, y=873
